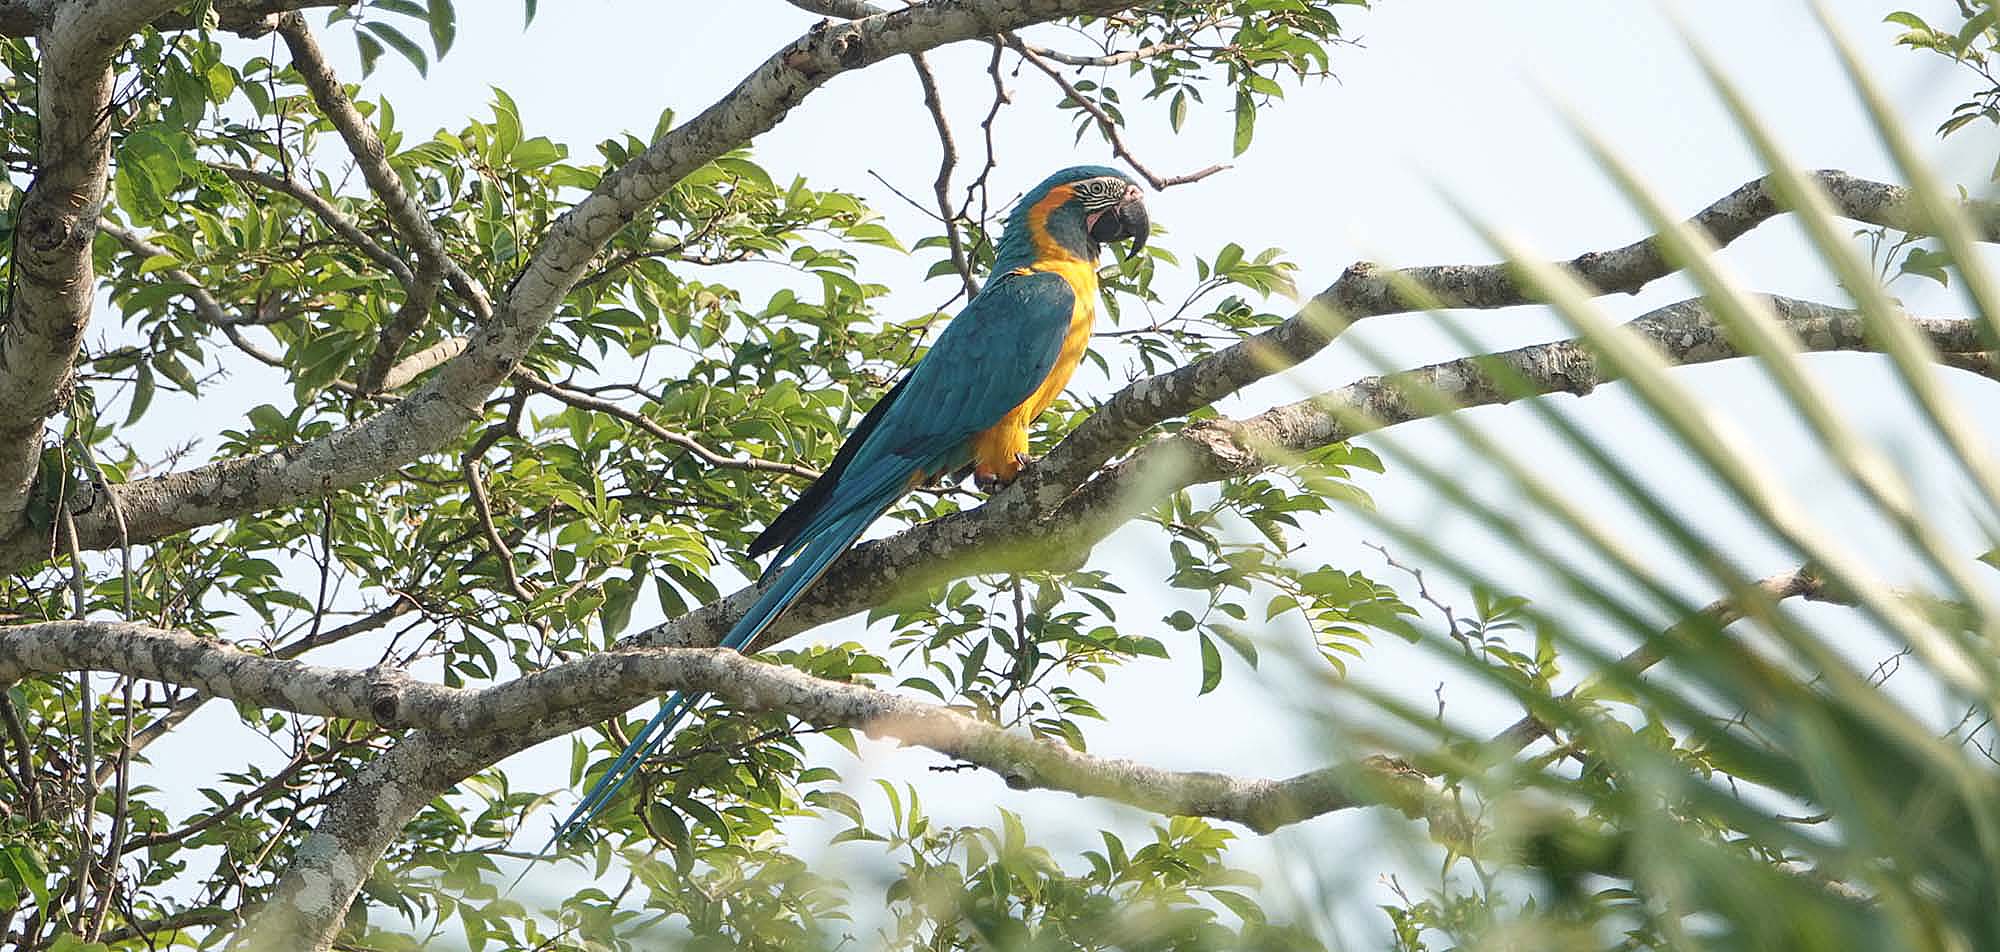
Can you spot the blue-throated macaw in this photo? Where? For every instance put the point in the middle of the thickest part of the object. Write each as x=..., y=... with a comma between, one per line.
x=970, y=400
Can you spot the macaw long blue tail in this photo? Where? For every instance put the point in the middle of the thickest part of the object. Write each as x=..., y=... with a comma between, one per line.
x=792, y=580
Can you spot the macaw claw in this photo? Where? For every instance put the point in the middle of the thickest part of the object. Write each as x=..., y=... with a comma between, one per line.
x=990, y=483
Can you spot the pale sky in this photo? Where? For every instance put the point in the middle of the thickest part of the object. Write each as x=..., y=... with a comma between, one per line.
x=1441, y=98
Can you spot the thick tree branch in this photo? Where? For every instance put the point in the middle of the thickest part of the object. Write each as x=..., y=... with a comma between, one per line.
x=53, y=277
x=162, y=505
x=306, y=909
x=1685, y=331
x=613, y=679
x=454, y=395
x=25, y=18
x=185, y=708
x=409, y=368
x=844, y=9
x=1366, y=290
x=1012, y=531
x=462, y=731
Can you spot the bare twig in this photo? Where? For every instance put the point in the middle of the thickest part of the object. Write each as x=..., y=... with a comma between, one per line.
x=947, y=160
x=1105, y=123
x=502, y=553
x=1117, y=58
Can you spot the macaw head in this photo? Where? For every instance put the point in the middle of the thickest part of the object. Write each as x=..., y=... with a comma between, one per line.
x=1074, y=212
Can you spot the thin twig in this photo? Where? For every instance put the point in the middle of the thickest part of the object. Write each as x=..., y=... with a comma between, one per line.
x=1720, y=614
x=1105, y=122
x=948, y=159
x=710, y=456
x=31, y=791
x=342, y=224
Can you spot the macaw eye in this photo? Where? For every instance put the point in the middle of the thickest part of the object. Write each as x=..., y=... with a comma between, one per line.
x=1096, y=193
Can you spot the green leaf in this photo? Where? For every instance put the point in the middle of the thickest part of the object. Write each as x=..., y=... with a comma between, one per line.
x=1907, y=19
x=142, y=393
x=1243, y=645
x=1211, y=666
x=70, y=943
x=536, y=153
x=1246, y=121
x=1926, y=263
x=371, y=50
x=1244, y=907
x=19, y=864
x=444, y=26
x=401, y=44
x=152, y=162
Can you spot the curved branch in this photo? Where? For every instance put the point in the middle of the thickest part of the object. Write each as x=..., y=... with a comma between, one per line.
x=341, y=223
x=1802, y=582
x=23, y=18
x=584, y=401
x=1105, y=123
x=613, y=680
x=1013, y=531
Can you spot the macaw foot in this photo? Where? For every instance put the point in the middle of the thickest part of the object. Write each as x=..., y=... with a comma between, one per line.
x=990, y=482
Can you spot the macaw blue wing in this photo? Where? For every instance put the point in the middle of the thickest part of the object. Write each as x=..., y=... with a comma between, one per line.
x=991, y=359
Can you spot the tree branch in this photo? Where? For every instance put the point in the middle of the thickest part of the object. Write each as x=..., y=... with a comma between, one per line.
x=1013, y=531
x=1365, y=290
x=844, y=9
x=613, y=680
x=341, y=223
x=53, y=277
x=947, y=160
x=25, y=18
x=584, y=401
x=1721, y=613
x=408, y=320
x=373, y=162
x=1104, y=121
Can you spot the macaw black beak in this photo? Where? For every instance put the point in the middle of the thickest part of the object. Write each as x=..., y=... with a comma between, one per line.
x=1128, y=220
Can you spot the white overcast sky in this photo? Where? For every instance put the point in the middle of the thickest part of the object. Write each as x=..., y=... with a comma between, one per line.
x=1440, y=98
